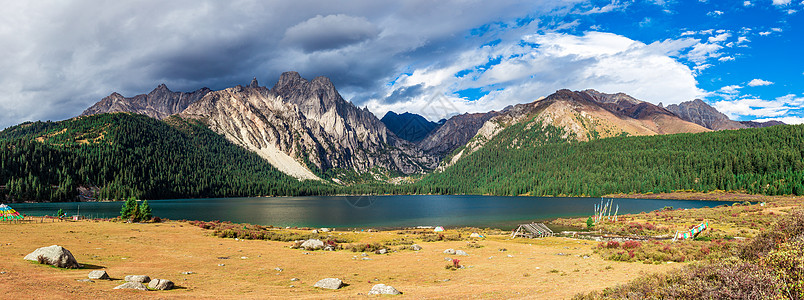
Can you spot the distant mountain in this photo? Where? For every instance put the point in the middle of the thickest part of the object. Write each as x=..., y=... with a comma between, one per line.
x=408, y=126
x=703, y=114
x=754, y=124
x=159, y=103
x=454, y=133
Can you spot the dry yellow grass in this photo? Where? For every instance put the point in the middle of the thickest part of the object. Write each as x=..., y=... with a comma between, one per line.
x=166, y=250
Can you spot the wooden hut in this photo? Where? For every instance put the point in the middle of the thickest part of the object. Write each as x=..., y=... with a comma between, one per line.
x=532, y=230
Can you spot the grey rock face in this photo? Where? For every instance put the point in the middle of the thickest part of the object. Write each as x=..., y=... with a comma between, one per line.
x=160, y=284
x=381, y=289
x=307, y=120
x=159, y=103
x=54, y=255
x=98, y=274
x=329, y=283
x=137, y=278
x=131, y=286
x=455, y=132
x=312, y=244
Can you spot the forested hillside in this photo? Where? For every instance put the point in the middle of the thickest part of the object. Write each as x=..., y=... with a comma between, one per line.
x=134, y=155
x=531, y=161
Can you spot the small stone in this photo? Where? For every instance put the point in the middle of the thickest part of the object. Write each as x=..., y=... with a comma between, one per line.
x=329, y=283
x=366, y=258
x=137, y=278
x=461, y=252
x=98, y=274
x=278, y=269
x=221, y=265
x=294, y=279
x=160, y=284
x=415, y=247
x=187, y=273
x=449, y=251
x=243, y=257
x=131, y=286
x=509, y=255
x=363, y=254
x=448, y=258
x=381, y=289
x=292, y=286
x=381, y=251
x=84, y=280
x=324, y=230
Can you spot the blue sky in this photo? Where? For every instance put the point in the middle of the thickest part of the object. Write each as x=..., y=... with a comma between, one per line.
x=432, y=58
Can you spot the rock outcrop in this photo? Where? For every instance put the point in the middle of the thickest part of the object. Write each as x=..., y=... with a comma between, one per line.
x=54, y=255
x=160, y=284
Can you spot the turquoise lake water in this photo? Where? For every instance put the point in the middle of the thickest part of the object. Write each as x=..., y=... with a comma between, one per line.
x=367, y=211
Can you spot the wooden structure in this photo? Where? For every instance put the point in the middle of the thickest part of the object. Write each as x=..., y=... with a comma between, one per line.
x=532, y=230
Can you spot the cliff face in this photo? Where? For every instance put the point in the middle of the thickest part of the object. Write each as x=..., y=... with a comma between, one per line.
x=299, y=124
x=159, y=103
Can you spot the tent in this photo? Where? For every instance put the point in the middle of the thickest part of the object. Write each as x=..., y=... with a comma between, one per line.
x=438, y=229
x=7, y=213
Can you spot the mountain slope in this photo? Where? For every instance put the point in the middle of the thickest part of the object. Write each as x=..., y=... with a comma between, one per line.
x=454, y=133
x=582, y=116
x=159, y=103
x=305, y=128
x=408, y=126
x=134, y=155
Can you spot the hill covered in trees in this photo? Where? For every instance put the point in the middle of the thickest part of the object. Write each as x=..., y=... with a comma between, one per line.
x=522, y=160
x=128, y=155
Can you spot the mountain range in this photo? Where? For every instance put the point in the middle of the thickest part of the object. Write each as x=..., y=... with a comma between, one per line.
x=307, y=130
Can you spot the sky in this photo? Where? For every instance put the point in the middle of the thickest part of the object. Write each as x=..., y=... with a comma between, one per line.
x=434, y=58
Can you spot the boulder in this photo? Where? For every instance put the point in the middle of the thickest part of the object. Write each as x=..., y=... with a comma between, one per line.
x=461, y=252
x=415, y=247
x=449, y=251
x=160, y=284
x=324, y=230
x=312, y=244
x=54, y=255
x=329, y=283
x=98, y=274
x=381, y=289
x=137, y=278
x=131, y=286
x=381, y=251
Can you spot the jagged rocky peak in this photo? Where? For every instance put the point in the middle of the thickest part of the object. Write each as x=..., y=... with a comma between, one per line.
x=160, y=103
x=611, y=98
x=254, y=83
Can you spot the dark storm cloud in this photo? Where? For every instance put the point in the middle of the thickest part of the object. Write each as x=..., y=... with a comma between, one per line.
x=60, y=57
x=330, y=32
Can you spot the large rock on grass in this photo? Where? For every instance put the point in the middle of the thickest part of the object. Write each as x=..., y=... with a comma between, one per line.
x=98, y=274
x=54, y=255
x=131, y=286
x=415, y=247
x=329, y=283
x=137, y=278
x=312, y=244
x=160, y=284
x=381, y=289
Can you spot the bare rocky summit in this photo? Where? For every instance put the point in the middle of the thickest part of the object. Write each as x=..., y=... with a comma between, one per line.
x=159, y=103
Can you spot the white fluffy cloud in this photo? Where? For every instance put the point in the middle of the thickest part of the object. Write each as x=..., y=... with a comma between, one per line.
x=781, y=2
x=777, y=108
x=539, y=64
x=759, y=82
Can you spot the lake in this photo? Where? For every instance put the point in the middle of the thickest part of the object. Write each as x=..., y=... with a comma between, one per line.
x=367, y=211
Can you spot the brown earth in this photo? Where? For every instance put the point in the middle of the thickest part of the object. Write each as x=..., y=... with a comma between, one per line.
x=165, y=250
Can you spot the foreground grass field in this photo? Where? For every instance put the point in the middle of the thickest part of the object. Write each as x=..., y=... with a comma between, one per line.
x=545, y=268
x=548, y=268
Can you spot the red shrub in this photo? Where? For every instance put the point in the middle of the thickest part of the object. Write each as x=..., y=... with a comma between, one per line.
x=631, y=245
x=612, y=244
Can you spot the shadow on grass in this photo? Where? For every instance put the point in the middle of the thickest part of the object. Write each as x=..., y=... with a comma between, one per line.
x=92, y=267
